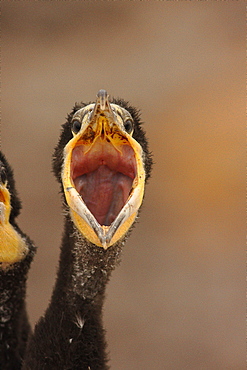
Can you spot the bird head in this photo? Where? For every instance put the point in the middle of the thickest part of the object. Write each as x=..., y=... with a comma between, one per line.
x=104, y=168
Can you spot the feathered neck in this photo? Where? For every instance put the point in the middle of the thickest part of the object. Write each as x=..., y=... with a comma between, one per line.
x=84, y=268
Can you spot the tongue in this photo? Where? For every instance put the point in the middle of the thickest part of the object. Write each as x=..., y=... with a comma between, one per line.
x=104, y=192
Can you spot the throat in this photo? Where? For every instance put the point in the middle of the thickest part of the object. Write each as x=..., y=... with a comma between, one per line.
x=104, y=192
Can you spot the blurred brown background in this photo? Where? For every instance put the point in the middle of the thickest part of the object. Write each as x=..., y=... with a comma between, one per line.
x=177, y=300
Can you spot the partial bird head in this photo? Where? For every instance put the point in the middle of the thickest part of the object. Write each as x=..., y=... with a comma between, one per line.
x=14, y=244
x=9, y=200
x=102, y=161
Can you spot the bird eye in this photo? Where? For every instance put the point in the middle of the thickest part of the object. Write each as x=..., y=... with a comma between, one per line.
x=76, y=126
x=129, y=126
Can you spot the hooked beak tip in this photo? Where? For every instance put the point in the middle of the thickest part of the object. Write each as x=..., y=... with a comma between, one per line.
x=102, y=106
x=102, y=100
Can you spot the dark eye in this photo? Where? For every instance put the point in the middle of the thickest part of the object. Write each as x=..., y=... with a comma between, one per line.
x=129, y=126
x=76, y=126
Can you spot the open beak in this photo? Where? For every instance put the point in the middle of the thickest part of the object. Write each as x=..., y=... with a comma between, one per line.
x=103, y=174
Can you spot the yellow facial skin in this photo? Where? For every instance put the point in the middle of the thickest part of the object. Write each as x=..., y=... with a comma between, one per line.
x=12, y=246
x=108, y=120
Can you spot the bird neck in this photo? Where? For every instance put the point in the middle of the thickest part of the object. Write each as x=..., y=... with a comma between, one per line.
x=14, y=325
x=84, y=268
x=73, y=319
x=74, y=316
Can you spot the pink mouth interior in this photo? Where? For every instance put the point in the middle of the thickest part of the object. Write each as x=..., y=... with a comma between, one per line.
x=103, y=177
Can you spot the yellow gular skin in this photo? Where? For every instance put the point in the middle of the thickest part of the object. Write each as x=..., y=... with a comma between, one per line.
x=12, y=246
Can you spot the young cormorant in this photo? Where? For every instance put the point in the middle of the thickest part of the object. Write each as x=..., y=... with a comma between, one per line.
x=16, y=254
x=102, y=162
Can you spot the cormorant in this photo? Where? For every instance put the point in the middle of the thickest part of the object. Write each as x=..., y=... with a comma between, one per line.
x=16, y=254
x=102, y=162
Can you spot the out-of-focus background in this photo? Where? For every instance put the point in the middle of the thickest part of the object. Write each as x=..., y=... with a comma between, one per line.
x=177, y=299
